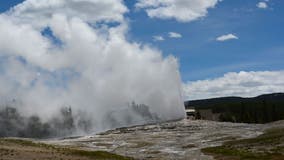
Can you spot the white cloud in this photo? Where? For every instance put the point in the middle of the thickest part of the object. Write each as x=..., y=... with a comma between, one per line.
x=244, y=84
x=262, y=5
x=158, y=38
x=226, y=37
x=95, y=70
x=175, y=35
x=180, y=10
x=39, y=12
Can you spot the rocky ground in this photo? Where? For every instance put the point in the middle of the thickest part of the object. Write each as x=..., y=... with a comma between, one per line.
x=175, y=140
x=182, y=140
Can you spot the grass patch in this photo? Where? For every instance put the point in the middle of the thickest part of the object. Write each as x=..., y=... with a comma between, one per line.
x=236, y=154
x=22, y=142
x=273, y=136
x=98, y=155
x=269, y=145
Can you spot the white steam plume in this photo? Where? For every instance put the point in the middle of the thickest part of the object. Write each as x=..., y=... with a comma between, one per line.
x=85, y=62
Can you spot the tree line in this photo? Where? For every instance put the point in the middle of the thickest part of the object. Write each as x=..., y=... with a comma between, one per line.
x=261, y=109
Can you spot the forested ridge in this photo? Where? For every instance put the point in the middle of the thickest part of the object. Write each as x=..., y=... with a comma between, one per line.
x=260, y=109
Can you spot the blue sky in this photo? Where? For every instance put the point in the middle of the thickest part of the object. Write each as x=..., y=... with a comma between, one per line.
x=260, y=45
x=5, y=5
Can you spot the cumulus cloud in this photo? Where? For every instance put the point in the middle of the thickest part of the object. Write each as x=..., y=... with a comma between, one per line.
x=262, y=5
x=226, y=37
x=158, y=38
x=87, y=10
x=175, y=35
x=180, y=10
x=94, y=69
x=244, y=84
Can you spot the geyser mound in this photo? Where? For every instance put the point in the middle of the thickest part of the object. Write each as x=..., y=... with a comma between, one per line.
x=74, y=53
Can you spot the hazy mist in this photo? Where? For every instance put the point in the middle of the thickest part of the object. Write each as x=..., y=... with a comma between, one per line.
x=76, y=54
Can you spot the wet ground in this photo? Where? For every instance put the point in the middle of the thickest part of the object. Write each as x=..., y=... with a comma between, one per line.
x=180, y=140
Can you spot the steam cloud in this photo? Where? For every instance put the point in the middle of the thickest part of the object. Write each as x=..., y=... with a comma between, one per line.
x=56, y=53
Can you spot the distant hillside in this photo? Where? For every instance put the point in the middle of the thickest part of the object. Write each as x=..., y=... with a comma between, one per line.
x=260, y=109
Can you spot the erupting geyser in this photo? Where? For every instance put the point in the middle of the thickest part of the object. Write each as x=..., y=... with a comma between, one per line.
x=70, y=63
